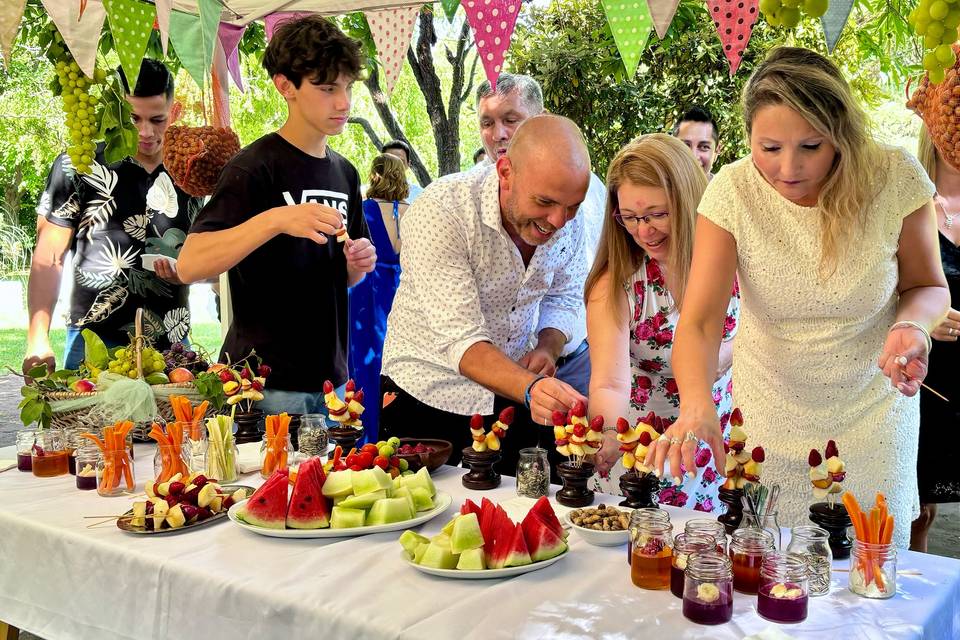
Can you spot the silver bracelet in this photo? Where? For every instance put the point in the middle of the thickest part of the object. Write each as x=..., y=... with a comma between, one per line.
x=905, y=324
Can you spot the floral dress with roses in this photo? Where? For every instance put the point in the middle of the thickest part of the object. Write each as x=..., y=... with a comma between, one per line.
x=653, y=388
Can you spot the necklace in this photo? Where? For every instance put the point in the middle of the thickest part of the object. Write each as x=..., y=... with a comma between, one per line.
x=943, y=207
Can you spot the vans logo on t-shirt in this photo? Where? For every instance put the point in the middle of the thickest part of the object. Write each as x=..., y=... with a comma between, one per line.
x=333, y=199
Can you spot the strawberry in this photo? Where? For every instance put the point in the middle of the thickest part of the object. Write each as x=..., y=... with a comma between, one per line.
x=476, y=421
x=327, y=386
x=226, y=375
x=646, y=438
x=736, y=418
x=726, y=448
x=560, y=442
x=758, y=455
x=559, y=419
x=506, y=416
x=650, y=419
x=596, y=424
x=264, y=370
x=246, y=374
x=814, y=459
x=351, y=385
x=622, y=425
x=659, y=426
x=831, y=451
x=579, y=409
x=579, y=431
x=358, y=396
x=257, y=386
x=497, y=431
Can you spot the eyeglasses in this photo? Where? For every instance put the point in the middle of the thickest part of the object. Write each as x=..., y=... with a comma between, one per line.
x=632, y=222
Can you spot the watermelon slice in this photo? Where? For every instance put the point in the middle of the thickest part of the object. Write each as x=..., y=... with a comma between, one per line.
x=267, y=507
x=545, y=510
x=470, y=507
x=542, y=541
x=518, y=555
x=504, y=534
x=487, y=512
x=308, y=508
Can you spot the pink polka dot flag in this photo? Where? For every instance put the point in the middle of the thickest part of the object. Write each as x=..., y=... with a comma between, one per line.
x=392, y=30
x=492, y=22
x=734, y=20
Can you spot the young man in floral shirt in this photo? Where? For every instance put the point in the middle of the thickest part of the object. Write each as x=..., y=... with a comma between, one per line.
x=109, y=218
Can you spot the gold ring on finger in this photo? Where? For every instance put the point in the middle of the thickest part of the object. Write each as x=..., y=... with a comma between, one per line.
x=674, y=441
x=691, y=436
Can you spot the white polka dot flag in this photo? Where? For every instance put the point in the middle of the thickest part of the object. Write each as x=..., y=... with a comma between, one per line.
x=734, y=20
x=662, y=12
x=131, y=23
x=834, y=20
x=81, y=34
x=492, y=22
x=630, y=23
x=11, y=12
x=392, y=30
x=193, y=36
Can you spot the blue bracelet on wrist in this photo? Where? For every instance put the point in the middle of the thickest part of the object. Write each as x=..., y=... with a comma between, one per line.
x=526, y=394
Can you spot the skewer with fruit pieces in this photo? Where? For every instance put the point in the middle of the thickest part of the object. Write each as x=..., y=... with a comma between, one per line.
x=490, y=441
x=248, y=387
x=347, y=411
x=574, y=436
x=182, y=500
x=826, y=475
x=742, y=466
x=635, y=442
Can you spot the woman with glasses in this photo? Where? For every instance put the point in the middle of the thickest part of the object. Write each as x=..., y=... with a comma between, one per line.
x=633, y=291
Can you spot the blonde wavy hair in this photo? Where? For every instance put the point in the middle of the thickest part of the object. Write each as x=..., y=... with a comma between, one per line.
x=812, y=86
x=927, y=153
x=388, y=178
x=652, y=160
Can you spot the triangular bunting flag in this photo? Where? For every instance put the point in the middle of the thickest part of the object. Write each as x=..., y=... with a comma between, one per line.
x=193, y=37
x=274, y=20
x=392, y=30
x=131, y=23
x=163, y=21
x=82, y=36
x=833, y=21
x=630, y=23
x=662, y=12
x=492, y=22
x=10, y=15
x=450, y=8
x=230, y=36
x=734, y=20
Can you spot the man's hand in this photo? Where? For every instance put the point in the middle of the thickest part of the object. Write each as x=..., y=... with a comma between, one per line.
x=549, y=395
x=361, y=255
x=309, y=220
x=166, y=270
x=539, y=361
x=41, y=354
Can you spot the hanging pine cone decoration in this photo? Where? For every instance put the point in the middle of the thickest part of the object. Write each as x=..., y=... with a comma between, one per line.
x=194, y=156
x=939, y=106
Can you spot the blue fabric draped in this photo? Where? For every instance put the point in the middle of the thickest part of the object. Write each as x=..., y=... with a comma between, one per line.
x=370, y=303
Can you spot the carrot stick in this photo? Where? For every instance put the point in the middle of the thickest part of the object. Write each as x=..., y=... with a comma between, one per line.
x=887, y=531
x=853, y=510
x=337, y=453
x=97, y=441
x=874, y=526
x=127, y=474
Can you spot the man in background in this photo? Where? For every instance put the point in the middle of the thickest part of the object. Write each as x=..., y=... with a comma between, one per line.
x=698, y=130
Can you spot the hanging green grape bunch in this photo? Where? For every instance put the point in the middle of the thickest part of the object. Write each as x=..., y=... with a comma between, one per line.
x=79, y=105
x=789, y=13
x=125, y=362
x=936, y=21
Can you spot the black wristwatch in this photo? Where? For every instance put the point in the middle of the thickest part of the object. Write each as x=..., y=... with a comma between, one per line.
x=526, y=394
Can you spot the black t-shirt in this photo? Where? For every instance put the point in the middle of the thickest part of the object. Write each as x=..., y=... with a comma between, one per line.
x=118, y=213
x=290, y=295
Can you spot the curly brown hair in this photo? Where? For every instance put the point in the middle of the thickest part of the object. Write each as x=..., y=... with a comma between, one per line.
x=312, y=47
x=388, y=178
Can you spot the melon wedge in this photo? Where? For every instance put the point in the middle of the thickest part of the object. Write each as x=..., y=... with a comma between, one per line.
x=518, y=555
x=308, y=508
x=420, y=479
x=339, y=483
x=470, y=507
x=404, y=493
x=471, y=560
x=466, y=534
x=545, y=510
x=389, y=510
x=410, y=540
x=542, y=542
x=439, y=556
x=421, y=499
x=267, y=507
x=345, y=518
x=503, y=544
x=362, y=502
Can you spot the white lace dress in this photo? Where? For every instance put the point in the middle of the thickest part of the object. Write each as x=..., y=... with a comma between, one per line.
x=805, y=359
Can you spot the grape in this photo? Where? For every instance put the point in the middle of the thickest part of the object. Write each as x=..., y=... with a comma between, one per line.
x=789, y=13
x=176, y=347
x=191, y=356
x=936, y=22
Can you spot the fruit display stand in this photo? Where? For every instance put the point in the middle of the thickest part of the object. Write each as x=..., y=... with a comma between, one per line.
x=61, y=578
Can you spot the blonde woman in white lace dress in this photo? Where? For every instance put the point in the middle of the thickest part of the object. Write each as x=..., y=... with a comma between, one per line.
x=835, y=242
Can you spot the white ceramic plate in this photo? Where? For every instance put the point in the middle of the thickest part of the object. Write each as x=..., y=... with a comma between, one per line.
x=599, y=538
x=486, y=574
x=441, y=501
x=147, y=260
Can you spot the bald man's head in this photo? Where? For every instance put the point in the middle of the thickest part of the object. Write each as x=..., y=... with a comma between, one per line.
x=544, y=177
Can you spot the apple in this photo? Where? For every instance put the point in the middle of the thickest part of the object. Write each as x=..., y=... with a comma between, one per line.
x=83, y=386
x=180, y=374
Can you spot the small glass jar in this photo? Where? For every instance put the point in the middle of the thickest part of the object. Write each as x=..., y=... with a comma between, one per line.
x=25, y=441
x=115, y=473
x=274, y=454
x=637, y=516
x=222, y=459
x=873, y=570
x=72, y=441
x=533, y=473
x=747, y=547
x=313, y=438
x=812, y=544
x=783, y=595
x=769, y=523
x=87, y=455
x=652, y=555
x=195, y=445
x=685, y=544
x=168, y=461
x=49, y=454
x=709, y=527
x=708, y=588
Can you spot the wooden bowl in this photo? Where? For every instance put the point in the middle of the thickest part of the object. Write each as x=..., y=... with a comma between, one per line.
x=432, y=460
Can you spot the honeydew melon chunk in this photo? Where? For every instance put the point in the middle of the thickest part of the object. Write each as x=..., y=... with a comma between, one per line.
x=364, y=482
x=421, y=499
x=471, y=560
x=420, y=550
x=466, y=534
x=397, y=482
x=403, y=492
x=363, y=502
x=439, y=556
x=340, y=499
x=345, y=518
x=448, y=528
x=389, y=510
x=338, y=483
x=383, y=478
x=420, y=479
x=410, y=540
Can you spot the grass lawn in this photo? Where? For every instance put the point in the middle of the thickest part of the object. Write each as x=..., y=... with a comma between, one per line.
x=13, y=342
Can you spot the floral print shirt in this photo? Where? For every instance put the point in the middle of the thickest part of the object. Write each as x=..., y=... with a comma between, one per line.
x=654, y=389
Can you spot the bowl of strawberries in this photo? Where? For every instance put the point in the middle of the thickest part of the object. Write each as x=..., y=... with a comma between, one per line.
x=424, y=452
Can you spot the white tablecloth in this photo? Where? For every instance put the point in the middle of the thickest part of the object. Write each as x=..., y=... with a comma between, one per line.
x=60, y=579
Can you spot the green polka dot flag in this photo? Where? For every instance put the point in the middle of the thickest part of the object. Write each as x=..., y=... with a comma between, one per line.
x=130, y=24
x=630, y=23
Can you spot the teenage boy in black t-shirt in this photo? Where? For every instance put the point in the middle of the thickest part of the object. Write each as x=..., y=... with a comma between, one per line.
x=273, y=220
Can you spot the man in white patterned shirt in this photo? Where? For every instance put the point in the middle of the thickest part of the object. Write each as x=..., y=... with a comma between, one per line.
x=487, y=254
